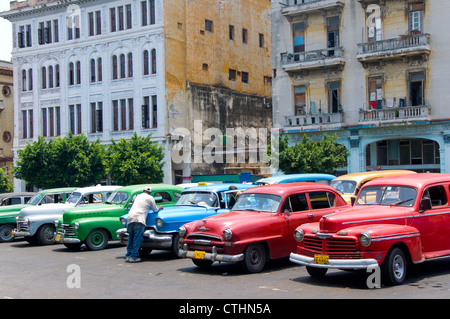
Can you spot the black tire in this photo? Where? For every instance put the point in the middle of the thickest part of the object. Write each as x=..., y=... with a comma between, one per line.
x=393, y=269
x=176, y=246
x=97, y=239
x=254, y=258
x=6, y=233
x=316, y=273
x=46, y=234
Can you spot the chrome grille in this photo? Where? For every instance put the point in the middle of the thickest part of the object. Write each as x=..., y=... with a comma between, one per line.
x=67, y=230
x=337, y=248
x=22, y=225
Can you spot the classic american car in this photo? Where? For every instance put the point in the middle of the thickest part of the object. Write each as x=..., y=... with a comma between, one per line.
x=350, y=184
x=260, y=226
x=95, y=225
x=197, y=202
x=18, y=198
x=292, y=178
x=37, y=223
x=8, y=214
x=394, y=222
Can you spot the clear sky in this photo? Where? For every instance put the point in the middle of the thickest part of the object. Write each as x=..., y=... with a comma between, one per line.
x=5, y=33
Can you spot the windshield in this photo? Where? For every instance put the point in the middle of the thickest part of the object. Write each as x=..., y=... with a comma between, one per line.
x=387, y=195
x=208, y=199
x=74, y=198
x=35, y=199
x=118, y=198
x=259, y=202
x=344, y=187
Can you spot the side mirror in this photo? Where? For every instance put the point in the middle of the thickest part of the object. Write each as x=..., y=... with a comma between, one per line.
x=352, y=200
x=287, y=212
x=425, y=204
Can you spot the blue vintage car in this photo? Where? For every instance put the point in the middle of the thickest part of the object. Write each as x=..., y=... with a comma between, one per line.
x=195, y=203
x=292, y=178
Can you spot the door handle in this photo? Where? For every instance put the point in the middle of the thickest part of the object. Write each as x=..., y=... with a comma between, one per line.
x=310, y=215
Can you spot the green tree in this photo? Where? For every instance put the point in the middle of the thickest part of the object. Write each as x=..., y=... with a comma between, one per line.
x=307, y=156
x=5, y=185
x=137, y=161
x=61, y=162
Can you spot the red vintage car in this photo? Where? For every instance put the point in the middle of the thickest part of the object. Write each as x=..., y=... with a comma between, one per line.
x=260, y=226
x=394, y=221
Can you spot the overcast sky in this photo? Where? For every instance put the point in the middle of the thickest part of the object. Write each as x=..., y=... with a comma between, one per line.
x=6, y=34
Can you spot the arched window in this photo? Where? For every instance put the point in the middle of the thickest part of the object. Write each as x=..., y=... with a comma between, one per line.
x=44, y=77
x=130, y=65
x=99, y=70
x=122, y=66
x=114, y=67
x=50, y=76
x=57, y=75
x=78, y=72
x=146, y=63
x=153, y=61
x=24, y=80
x=92, y=70
x=71, y=74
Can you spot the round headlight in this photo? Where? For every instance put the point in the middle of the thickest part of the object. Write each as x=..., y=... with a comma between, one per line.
x=123, y=221
x=56, y=222
x=76, y=225
x=159, y=223
x=299, y=235
x=227, y=234
x=182, y=231
x=365, y=239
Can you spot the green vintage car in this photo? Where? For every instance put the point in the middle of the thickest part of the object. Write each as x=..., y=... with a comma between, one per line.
x=8, y=214
x=95, y=225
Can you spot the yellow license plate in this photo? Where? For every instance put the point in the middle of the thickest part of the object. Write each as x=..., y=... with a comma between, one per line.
x=321, y=259
x=198, y=254
x=58, y=237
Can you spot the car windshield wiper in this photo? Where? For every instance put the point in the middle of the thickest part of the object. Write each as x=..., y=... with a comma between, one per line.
x=401, y=202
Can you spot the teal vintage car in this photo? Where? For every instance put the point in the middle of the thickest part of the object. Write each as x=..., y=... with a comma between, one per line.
x=96, y=225
x=9, y=213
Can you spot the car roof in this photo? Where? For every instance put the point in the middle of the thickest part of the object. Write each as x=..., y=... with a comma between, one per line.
x=218, y=187
x=289, y=188
x=278, y=178
x=357, y=177
x=99, y=188
x=5, y=195
x=154, y=187
x=58, y=190
x=418, y=179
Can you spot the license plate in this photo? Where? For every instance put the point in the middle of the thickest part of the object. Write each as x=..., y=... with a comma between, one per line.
x=321, y=259
x=58, y=238
x=198, y=254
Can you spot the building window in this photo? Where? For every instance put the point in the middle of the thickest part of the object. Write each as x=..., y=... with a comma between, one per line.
x=231, y=32
x=417, y=88
x=244, y=36
x=114, y=67
x=153, y=61
x=208, y=25
x=130, y=64
x=146, y=63
x=51, y=121
x=261, y=40
x=375, y=92
x=112, y=17
x=95, y=23
x=71, y=73
x=150, y=112
x=44, y=77
x=299, y=39
x=148, y=12
x=75, y=118
x=73, y=27
x=96, y=70
x=24, y=38
x=334, y=94
x=232, y=75
x=244, y=77
x=123, y=113
x=299, y=100
x=416, y=17
x=96, y=117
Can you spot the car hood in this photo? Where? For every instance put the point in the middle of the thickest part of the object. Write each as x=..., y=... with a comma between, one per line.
x=4, y=210
x=94, y=210
x=363, y=215
x=247, y=222
x=181, y=213
x=46, y=209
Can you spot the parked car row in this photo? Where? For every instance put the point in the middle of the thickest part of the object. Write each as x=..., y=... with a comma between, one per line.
x=391, y=222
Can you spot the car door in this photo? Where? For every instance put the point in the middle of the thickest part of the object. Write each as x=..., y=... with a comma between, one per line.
x=435, y=222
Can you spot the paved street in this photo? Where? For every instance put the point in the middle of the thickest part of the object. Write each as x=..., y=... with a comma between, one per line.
x=44, y=272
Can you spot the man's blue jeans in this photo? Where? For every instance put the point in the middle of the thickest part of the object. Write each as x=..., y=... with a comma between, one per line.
x=135, y=232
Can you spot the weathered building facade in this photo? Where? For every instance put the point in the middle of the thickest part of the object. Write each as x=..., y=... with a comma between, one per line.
x=373, y=72
x=111, y=68
x=6, y=116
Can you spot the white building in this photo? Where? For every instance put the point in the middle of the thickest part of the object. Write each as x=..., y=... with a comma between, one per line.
x=93, y=67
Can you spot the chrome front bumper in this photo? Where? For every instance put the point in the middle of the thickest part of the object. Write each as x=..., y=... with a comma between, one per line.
x=213, y=255
x=334, y=263
x=60, y=239
x=18, y=233
x=151, y=239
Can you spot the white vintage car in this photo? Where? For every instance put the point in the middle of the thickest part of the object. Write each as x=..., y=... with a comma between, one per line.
x=36, y=223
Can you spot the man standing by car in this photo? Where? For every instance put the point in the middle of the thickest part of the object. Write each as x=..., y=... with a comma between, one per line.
x=136, y=223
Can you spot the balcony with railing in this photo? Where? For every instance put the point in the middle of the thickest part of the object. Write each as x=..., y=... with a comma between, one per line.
x=403, y=46
x=312, y=121
x=294, y=8
x=395, y=114
x=324, y=58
